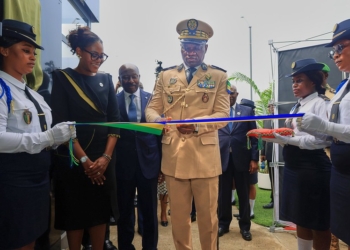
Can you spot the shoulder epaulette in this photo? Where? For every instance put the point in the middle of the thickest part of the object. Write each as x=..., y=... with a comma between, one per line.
x=324, y=97
x=165, y=69
x=216, y=67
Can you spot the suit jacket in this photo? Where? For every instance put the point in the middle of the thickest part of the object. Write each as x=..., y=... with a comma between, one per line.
x=267, y=146
x=237, y=141
x=136, y=148
x=195, y=155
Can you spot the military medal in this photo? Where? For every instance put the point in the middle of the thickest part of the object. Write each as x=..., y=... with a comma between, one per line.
x=173, y=80
x=205, y=98
x=170, y=99
x=27, y=116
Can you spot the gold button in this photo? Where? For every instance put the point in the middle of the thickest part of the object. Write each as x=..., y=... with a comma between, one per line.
x=183, y=139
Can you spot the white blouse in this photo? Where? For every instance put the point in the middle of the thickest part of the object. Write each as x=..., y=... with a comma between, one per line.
x=316, y=105
x=15, y=134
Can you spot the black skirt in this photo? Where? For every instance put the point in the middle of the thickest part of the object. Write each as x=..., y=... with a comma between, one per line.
x=24, y=198
x=306, y=188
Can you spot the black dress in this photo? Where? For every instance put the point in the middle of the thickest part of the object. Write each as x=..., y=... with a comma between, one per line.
x=306, y=188
x=84, y=99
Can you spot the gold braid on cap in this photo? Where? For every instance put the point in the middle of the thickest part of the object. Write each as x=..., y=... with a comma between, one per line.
x=201, y=35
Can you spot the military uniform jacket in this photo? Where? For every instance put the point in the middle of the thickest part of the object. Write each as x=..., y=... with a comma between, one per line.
x=194, y=155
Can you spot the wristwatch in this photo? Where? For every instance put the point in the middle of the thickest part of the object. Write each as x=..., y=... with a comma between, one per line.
x=84, y=159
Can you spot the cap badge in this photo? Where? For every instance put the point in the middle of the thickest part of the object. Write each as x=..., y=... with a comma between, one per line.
x=192, y=26
x=293, y=65
x=335, y=27
x=33, y=30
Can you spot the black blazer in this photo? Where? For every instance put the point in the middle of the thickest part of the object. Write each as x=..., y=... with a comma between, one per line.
x=237, y=141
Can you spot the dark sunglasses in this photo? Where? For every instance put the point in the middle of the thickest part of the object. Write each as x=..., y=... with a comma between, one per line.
x=95, y=56
x=337, y=49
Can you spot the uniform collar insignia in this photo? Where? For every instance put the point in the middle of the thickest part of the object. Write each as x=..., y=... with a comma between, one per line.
x=181, y=66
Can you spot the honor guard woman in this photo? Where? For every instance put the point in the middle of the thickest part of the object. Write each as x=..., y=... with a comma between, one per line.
x=191, y=156
x=25, y=133
x=305, y=193
x=85, y=194
x=338, y=127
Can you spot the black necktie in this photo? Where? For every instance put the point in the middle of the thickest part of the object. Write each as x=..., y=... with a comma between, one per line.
x=41, y=114
x=289, y=120
x=190, y=74
x=335, y=106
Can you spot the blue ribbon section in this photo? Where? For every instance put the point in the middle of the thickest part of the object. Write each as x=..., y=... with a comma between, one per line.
x=236, y=119
x=6, y=90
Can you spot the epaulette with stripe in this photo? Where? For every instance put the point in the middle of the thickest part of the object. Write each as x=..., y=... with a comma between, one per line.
x=216, y=67
x=324, y=97
x=165, y=69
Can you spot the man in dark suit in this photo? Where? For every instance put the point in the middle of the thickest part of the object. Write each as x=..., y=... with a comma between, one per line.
x=238, y=162
x=266, y=153
x=137, y=164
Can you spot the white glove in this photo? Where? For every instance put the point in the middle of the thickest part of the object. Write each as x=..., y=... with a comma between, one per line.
x=61, y=133
x=283, y=140
x=316, y=126
x=312, y=123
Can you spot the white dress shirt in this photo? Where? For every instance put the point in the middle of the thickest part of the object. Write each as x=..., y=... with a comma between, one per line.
x=344, y=106
x=316, y=105
x=15, y=134
x=137, y=101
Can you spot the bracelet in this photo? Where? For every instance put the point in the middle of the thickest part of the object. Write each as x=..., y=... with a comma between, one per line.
x=109, y=158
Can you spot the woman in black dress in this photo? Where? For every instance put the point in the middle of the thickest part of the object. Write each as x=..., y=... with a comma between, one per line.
x=306, y=176
x=25, y=136
x=85, y=194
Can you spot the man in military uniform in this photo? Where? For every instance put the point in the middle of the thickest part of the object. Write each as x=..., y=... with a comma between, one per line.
x=190, y=152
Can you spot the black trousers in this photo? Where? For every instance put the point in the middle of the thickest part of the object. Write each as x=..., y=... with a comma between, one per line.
x=147, y=204
x=225, y=190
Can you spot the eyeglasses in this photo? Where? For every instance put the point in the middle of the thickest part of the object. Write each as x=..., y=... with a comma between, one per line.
x=337, y=49
x=95, y=56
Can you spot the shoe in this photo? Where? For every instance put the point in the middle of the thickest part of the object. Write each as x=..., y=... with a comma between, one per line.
x=233, y=203
x=87, y=247
x=108, y=245
x=222, y=231
x=236, y=215
x=164, y=223
x=269, y=205
x=193, y=217
x=246, y=235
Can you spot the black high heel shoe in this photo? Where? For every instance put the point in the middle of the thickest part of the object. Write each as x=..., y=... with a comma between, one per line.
x=164, y=223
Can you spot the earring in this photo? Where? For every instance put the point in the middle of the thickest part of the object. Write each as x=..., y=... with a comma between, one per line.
x=79, y=56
